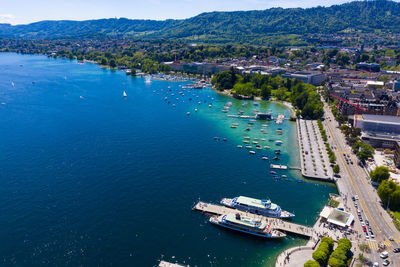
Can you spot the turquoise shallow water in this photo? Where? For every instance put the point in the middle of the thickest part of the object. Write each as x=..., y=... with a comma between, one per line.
x=89, y=178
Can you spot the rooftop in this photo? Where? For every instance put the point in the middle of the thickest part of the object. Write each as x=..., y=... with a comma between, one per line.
x=381, y=119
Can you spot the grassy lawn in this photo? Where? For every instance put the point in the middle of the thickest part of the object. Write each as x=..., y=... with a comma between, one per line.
x=333, y=203
x=397, y=215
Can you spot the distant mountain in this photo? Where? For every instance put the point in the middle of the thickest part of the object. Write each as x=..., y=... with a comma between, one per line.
x=255, y=27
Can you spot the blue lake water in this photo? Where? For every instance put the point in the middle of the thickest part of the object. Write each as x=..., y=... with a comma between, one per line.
x=90, y=178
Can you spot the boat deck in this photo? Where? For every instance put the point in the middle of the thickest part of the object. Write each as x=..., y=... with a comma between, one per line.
x=276, y=224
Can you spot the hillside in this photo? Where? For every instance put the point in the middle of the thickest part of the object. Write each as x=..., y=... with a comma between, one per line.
x=255, y=27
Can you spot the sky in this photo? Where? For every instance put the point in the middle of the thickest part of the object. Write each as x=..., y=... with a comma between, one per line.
x=27, y=11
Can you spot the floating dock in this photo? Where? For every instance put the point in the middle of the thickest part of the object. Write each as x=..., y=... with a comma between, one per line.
x=280, y=167
x=275, y=223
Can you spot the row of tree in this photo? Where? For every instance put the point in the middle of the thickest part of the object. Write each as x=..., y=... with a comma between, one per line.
x=324, y=256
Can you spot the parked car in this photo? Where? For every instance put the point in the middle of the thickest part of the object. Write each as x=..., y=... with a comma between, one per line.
x=384, y=255
x=396, y=250
x=385, y=262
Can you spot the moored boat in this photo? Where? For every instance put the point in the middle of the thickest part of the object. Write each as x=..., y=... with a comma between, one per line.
x=261, y=207
x=247, y=225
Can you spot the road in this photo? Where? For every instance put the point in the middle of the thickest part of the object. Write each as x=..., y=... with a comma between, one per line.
x=354, y=181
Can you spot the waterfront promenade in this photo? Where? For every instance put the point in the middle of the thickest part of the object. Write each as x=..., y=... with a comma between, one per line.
x=313, y=156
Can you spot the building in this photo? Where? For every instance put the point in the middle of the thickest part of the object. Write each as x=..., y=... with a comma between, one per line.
x=370, y=67
x=380, y=131
x=396, y=158
x=314, y=78
x=379, y=124
x=336, y=217
x=396, y=85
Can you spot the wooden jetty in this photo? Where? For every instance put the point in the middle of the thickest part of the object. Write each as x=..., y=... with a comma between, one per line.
x=275, y=223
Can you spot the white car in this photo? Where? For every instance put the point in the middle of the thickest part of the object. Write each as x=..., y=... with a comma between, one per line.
x=384, y=255
x=356, y=197
x=375, y=264
x=362, y=224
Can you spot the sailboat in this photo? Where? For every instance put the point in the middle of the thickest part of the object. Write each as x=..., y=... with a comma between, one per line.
x=12, y=84
x=124, y=94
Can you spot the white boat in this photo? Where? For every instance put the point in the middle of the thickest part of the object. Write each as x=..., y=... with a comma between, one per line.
x=148, y=79
x=252, y=152
x=124, y=94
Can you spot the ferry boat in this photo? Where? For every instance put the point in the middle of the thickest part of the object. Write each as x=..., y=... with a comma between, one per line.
x=246, y=225
x=261, y=207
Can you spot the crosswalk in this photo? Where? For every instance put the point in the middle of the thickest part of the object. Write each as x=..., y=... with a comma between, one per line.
x=374, y=245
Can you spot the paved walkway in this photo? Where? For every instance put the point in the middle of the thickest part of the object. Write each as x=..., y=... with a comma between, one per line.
x=314, y=158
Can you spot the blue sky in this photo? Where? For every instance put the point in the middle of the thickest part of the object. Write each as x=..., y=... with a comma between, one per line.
x=26, y=11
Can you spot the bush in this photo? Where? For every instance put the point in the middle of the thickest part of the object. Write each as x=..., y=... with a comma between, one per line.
x=321, y=254
x=311, y=263
x=341, y=254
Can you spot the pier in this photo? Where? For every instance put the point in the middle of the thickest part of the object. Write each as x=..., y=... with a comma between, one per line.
x=275, y=223
x=280, y=167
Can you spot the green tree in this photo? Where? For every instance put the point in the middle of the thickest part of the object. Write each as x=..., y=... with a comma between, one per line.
x=385, y=190
x=113, y=64
x=336, y=169
x=363, y=151
x=379, y=174
x=266, y=91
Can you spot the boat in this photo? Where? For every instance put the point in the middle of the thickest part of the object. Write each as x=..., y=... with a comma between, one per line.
x=284, y=176
x=266, y=147
x=273, y=172
x=245, y=142
x=216, y=138
x=277, y=151
x=124, y=94
x=258, y=147
x=252, y=152
x=248, y=147
x=195, y=110
x=247, y=129
x=255, y=142
x=246, y=225
x=239, y=146
x=264, y=158
x=246, y=137
x=261, y=207
x=188, y=113
x=276, y=158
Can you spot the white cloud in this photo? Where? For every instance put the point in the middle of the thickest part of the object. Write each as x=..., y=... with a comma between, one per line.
x=7, y=18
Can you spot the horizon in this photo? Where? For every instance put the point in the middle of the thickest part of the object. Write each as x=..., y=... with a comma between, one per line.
x=20, y=12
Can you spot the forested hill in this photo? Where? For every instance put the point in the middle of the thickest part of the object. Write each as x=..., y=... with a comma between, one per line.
x=241, y=26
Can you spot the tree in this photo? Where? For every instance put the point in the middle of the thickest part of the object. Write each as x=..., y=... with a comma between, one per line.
x=320, y=256
x=113, y=64
x=365, y=248
x=224, y=80
x=336, y=169
x=379, y=174
x=385, y=190
x=363, y=151
x=266, y=91
x=311, y=263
